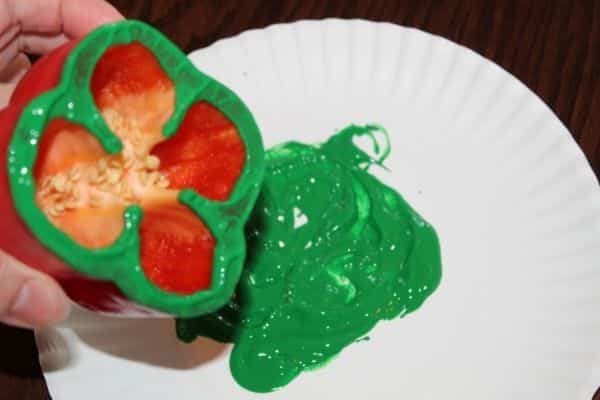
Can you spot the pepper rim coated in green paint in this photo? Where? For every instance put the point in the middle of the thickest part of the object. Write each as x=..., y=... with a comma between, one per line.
x=72, y=99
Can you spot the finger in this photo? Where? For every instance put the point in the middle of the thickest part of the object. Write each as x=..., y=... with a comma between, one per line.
x=7, y=19
x=9, y=53
x=79, y=17
x=73, y=17
x=10, y=76
x=9, y=41
x=16, y=69
x=9, y=34
x=29, y=298
x=41, y=43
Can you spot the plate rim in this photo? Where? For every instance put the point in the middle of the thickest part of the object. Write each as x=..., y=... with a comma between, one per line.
x=418, y=31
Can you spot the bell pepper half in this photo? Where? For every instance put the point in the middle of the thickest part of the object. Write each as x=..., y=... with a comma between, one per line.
x=129, y=175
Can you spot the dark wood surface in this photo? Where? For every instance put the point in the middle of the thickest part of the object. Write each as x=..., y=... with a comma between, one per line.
x=552, y=46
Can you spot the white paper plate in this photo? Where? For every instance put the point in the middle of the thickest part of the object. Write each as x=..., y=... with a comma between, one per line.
x=514, y=201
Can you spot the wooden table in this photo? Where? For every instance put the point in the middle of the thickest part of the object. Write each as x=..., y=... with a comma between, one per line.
x=552, y=46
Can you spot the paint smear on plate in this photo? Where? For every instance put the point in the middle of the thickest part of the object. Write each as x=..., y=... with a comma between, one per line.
x=331, y=251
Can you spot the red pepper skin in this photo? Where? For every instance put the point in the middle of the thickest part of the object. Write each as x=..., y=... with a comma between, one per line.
x=15, y=238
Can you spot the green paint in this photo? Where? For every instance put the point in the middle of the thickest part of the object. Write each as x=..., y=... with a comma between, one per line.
x=72, y=99
x=331, y=251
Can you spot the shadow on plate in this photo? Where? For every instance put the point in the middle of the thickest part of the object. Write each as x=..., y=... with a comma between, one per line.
x=149, y=341
x=56, y=352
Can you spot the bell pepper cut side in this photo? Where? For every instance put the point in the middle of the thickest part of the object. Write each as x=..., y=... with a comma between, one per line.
x=137, y=169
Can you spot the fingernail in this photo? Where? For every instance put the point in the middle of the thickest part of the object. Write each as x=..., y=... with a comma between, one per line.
x=38, y=304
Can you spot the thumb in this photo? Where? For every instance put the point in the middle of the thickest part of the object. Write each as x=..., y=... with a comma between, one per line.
x=29, y=298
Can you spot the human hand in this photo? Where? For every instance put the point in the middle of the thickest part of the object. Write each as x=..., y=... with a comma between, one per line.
x=29, y=298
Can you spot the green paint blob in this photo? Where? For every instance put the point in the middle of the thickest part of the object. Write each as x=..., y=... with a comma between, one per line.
x=331, y=251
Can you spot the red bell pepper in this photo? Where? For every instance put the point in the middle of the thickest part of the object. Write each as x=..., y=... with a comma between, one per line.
x=129, y=175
